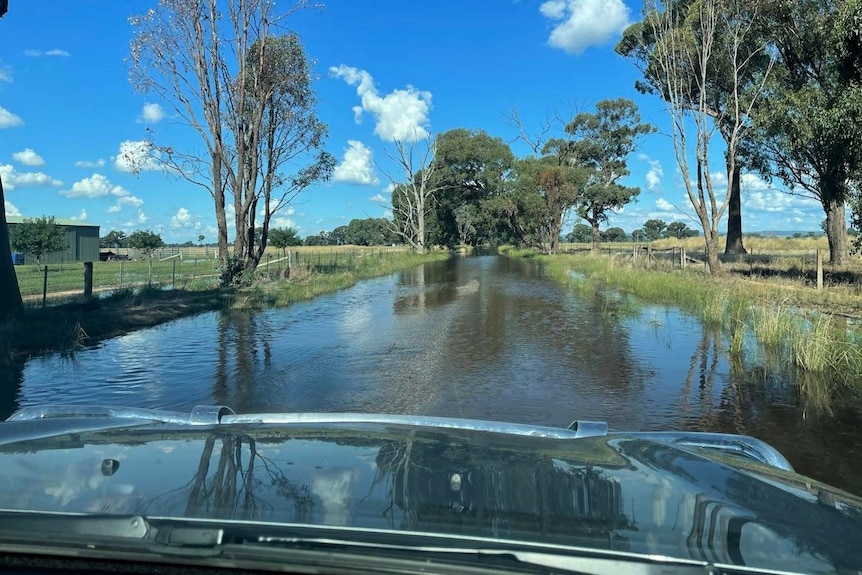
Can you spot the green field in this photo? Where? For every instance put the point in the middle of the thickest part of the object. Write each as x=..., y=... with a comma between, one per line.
x=196, y=267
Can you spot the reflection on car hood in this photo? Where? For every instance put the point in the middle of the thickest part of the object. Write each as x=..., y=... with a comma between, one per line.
x=622, y=491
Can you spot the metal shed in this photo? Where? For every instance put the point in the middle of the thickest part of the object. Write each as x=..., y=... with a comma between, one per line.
x=83, y=240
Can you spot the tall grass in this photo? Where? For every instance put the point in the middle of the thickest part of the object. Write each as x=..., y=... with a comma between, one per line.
x=813, y=341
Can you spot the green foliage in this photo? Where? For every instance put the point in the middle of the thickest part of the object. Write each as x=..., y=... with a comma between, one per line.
x=545, y=190
x=654, y=229
x=37, y=237
x=603, y=142
x=113, y=239
x=283, y=238
x=679, y=230
x=580, y=234
x=470, y=167
x=231, y=273
x=368, y=232
x=614, y=235
x=145, y=241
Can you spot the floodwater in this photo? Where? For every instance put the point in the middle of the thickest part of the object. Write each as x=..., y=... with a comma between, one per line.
x=481, y=337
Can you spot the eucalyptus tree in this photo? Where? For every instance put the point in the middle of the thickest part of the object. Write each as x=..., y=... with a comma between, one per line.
x=469, y=167
x=246, y=92
x=413, y=190
x=807, y=127
x=683, y=48
x=708, y=58
x=603, y=142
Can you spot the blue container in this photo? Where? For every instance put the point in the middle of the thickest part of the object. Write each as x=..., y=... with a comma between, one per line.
x=18, y=259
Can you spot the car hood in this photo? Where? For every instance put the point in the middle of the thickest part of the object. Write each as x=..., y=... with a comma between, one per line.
x=623, y=491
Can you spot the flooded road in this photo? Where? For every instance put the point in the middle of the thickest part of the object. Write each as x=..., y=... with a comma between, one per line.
x=483, y=337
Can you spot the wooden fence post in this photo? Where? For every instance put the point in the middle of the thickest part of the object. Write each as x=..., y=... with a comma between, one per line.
x=45, y=289
x=819, y=271
x=682, y=257
x=88, y=279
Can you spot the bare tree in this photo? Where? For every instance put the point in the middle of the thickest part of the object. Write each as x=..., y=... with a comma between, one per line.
x=246, y=92
x=688, y=40
x=412, y=196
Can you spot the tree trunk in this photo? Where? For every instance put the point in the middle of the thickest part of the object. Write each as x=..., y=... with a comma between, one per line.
x=836, y=230
x=734, y=213
x=595, y=235
x=712, y=261
x=218, y=200
x=420, y=228
x=11, y=305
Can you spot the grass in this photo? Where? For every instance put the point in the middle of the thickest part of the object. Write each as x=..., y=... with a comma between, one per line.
x=82, y=322
x=306, y=283
x=806, y=337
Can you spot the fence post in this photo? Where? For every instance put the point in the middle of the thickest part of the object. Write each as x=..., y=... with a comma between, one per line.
x=819, y=271
x=121, y=274
x=88, y=279
x=174, y=276
x=45, y=289
x=682, y=257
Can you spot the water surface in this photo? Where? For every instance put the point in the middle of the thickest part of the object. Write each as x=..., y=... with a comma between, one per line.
x=484, y=337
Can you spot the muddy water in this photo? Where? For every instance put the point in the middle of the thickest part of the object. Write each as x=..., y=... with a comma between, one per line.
x=483, y=337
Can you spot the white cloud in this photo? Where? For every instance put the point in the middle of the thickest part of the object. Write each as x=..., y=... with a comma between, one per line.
x=13, y=179
x=88, y=164
x=28, y=157
x=664, y=205
x=8, y=119
x=378, y=199
x=39, y=53
x=5, y=74
x=95, y=186
x=283, y=222
x=137, y=156
x=357, y=166
x=579, y=24
x=182, y=219
x=400, y=115
x=654, y=175
x=81, y=217
x=11, y=210
x=752, y=183
x=151, y=114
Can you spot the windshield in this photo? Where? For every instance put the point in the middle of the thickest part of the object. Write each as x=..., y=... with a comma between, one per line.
x=641, y=216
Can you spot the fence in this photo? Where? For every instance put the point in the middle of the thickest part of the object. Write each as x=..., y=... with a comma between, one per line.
x=807, y=266
x=40, y=284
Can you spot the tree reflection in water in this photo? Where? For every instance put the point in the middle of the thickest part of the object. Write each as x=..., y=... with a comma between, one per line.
x=229, y=492
x=450, y=488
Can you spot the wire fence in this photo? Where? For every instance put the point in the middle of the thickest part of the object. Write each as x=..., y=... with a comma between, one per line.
x=169, y=269
x=810, y=267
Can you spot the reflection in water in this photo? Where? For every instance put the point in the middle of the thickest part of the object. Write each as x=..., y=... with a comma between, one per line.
x=619, y=493
x=480, y=337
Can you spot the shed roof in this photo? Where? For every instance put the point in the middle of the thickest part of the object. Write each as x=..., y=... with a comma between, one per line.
x=60, y=221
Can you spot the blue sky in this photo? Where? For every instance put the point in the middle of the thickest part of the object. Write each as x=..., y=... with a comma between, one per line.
x=384, y=68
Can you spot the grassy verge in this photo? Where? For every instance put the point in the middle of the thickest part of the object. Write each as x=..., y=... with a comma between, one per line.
x=77, y=324
x=305, y=283
x=808, y=338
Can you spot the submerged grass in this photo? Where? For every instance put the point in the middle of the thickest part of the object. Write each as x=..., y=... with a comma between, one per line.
x=806, y=337
x=305, y=284
x=73, y=325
